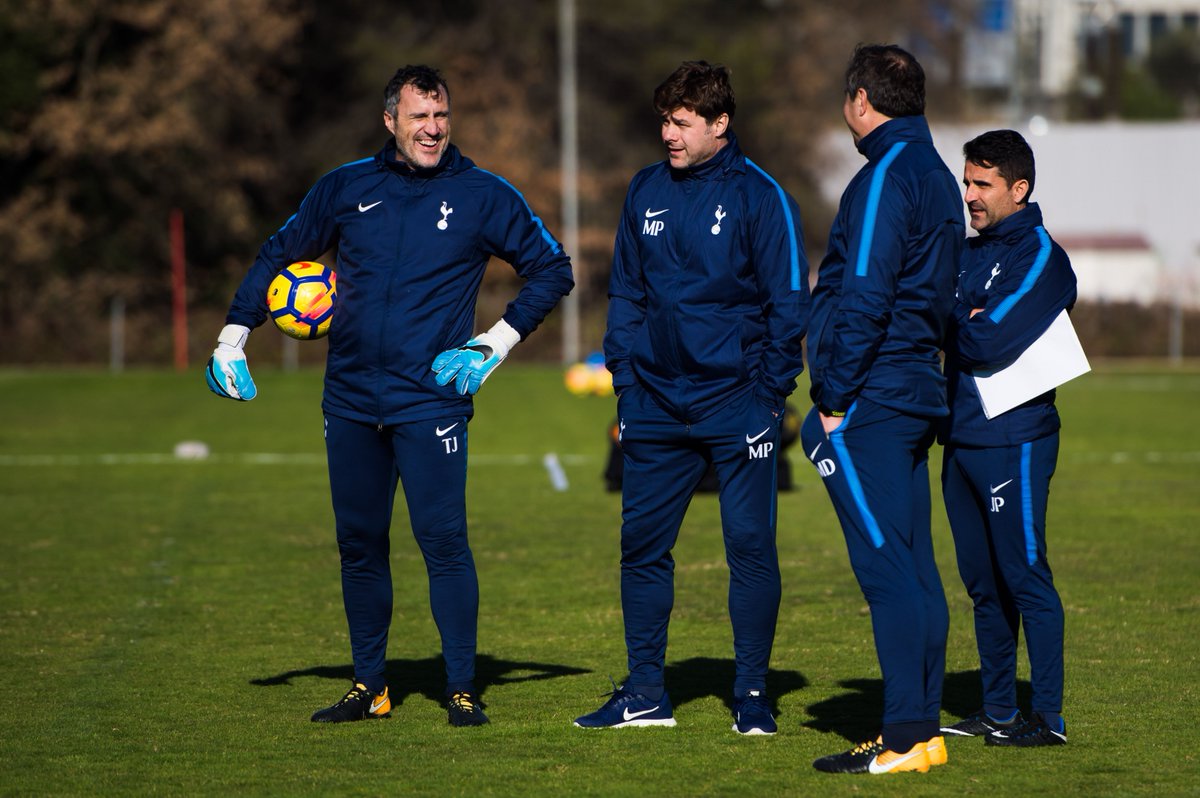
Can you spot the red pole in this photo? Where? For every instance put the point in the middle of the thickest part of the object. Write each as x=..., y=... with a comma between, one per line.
x=178, y=290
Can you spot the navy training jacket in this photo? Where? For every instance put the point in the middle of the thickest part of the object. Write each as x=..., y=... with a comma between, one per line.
x=709, y=294
x=885, y=288
x=412, y=247
x=1022, y=279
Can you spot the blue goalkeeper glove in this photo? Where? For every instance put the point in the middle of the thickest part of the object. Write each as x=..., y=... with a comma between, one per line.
x=227, y=373
x=471, y=364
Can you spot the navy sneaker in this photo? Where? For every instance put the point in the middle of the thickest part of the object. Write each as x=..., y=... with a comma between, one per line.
x=752, y=715
x=627, y=708
x=979, y=724
x=1030, y=734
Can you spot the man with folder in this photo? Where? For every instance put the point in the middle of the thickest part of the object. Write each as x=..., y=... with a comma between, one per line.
x=1013, y=282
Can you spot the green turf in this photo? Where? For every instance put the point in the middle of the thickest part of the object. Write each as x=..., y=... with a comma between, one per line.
x=168, y=627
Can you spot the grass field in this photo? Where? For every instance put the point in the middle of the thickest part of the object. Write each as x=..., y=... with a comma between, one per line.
x=168, y=626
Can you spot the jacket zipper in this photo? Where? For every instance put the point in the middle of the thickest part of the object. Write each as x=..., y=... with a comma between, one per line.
x=387, y=309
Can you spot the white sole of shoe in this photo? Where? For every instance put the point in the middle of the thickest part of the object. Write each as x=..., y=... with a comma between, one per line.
x=637, y=723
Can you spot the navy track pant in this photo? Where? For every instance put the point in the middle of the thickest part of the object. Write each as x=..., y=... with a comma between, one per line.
x=875, y=467
x=430, y=459
x=996, y=502
x=664, y=461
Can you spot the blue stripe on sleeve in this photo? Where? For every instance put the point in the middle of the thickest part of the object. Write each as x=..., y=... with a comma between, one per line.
x=555, y=247
x=793, y=247
x=864, y=245
x=1027, y=505
x=283, y=226
x=853, y=482
x=1035, y=271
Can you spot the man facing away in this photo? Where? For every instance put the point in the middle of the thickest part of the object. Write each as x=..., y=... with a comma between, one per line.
x=884, y=293
x=1013, y=282
x=708, y=307
x=414, y=227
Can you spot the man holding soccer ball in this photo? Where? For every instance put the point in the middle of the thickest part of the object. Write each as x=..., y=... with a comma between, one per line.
x=414, y=227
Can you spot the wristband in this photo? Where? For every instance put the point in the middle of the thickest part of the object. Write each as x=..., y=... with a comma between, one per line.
x=505, y=335
x=233, y=336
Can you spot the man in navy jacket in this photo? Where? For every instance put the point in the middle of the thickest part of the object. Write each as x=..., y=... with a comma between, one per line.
x=708, y=307
x=1014, y=281
x=414, y=227
x=883, y=294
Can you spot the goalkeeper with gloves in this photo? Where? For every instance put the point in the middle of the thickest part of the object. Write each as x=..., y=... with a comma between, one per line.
x=414, y=227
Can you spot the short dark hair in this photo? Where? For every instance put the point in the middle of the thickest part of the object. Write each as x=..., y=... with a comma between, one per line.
x=424, y=79
x=1007, y=152
x=893, y=78
x=698, y=86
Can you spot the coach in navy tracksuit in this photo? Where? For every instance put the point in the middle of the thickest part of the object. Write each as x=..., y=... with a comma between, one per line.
x=883, y=294
x=1014, y=281
x=708, y=306
x=414, y=228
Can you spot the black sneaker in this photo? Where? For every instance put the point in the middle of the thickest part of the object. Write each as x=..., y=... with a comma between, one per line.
x=358, y=704
x=857, y=760
x=1029, y=735
x=980, y=724
x=465, y=709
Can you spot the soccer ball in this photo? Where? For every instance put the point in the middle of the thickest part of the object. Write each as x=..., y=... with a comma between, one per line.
x=301, y=300
x=578, y=379
x=589, y=378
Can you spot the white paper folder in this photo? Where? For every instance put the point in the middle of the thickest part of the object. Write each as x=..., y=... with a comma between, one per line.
x=1053, y=359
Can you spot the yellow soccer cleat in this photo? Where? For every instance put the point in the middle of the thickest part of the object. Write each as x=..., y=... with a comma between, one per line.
x=358, y=703
x=889, y=761
x=936, y=749
x=465, y=709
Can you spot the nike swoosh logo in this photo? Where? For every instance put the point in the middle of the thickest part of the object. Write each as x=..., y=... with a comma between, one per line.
x=895, y=763
x=362, y=207
x=998, y=487
x=631, y=715
x=651, y=215
x=759, y=435
x=378, y=703
x=440, y=432
x=813, y=454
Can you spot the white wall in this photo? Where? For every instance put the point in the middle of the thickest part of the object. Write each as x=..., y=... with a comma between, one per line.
x=1115, y=275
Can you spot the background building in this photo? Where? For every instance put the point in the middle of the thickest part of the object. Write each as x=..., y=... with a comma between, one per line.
x=1071, y=56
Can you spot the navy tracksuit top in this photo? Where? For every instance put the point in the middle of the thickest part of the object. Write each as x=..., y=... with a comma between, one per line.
x=1023, y=280
x=709, y=290
x=886, y=286
x=412, y=247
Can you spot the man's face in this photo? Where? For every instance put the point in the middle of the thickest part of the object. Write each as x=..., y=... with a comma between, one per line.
x=853, y=111
x=990, y=199
x=690, y=139
x=421, y=127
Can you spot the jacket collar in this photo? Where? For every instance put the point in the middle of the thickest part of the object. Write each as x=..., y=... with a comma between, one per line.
x=727, y=159
x=875, y=144
x=452, y=162
x=1017, y=223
